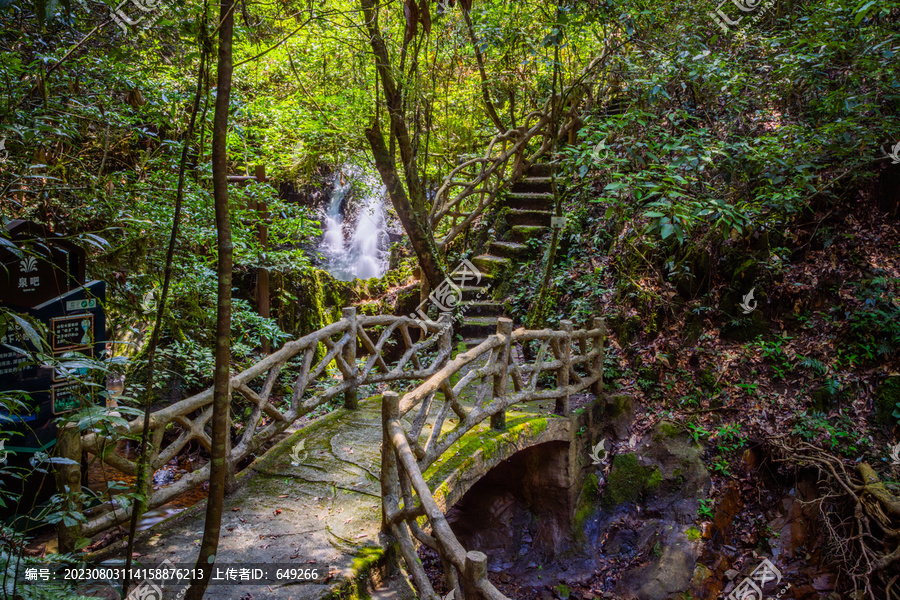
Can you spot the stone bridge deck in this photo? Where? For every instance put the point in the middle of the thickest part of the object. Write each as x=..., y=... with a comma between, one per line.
x=323, y=511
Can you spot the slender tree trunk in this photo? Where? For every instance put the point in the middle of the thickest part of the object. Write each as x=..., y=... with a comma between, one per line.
x=143, y=479
x=222, y=376
x=415, y=223
x=488, y=105
x=410, y=203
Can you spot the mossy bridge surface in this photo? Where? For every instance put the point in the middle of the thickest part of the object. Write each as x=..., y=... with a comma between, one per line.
x=347, y=495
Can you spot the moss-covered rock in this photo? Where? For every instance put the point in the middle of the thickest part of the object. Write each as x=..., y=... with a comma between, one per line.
x=707, y=379
x=626, y=328
x=629, y=481
x=887, y=395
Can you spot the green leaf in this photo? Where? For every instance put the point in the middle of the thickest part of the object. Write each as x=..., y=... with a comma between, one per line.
x=861, y=12
x=30, y=332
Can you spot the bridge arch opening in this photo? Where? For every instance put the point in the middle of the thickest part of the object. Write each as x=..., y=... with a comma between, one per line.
x=520, y=512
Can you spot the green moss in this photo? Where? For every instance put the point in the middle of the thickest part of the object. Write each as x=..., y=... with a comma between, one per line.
x=628, y=480
x=587, y=499
x=366, y=560
x=626, y=328
x=692, y=533
x=707, y=379
x=462, y=453
x=563, y=591
x=617, y=406
x=886, y=398
x=669, y=429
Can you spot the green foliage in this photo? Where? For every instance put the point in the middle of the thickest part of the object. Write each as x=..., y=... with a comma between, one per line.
x=773, y=350
x=875, y=326
x=837, y=432
x=706, y=510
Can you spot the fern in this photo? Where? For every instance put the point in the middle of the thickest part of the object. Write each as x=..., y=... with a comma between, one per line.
x=813, y=364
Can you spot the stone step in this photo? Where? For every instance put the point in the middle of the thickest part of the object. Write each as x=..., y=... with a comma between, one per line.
x=523, y=233
x=510, y=250
x=490, y=264
x=473, y=341
x=539, y=170
x=476, y=293
x=532, y=184
x=530, y=201
x=484, y=308
x=529, y=217
x=478, y=327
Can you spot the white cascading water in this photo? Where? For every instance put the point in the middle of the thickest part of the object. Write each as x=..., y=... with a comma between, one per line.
x=364, y=254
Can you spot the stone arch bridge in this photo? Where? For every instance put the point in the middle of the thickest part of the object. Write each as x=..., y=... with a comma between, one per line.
x=353, y=493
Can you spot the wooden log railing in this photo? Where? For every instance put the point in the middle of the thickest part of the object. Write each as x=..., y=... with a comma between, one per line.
x=575, y=357
x=280, y=388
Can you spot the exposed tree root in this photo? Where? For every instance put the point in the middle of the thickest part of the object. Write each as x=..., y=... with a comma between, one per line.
x=861, y=516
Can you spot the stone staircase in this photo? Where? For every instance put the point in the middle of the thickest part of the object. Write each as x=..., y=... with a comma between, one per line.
x=530, y=201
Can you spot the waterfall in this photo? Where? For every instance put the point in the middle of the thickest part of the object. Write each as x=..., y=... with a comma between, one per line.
x=363, y=254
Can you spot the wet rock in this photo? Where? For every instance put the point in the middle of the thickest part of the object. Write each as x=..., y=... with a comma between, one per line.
x=671, y=477
x=618, y=415
x=629, y=481
x=729, y=505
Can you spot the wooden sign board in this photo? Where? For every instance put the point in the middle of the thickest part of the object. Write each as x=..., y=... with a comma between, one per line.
x=46, y=266
x=76, y=324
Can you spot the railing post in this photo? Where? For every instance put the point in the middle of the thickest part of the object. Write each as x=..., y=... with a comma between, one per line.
x=562, y=375
x=390, y=480
x=597, y=367
x=445, y=344
x=476, y=571
x=501, y=376
x=351, y=400
x=68, y=483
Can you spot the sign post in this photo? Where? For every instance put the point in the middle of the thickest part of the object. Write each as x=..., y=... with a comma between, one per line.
x=45, y=280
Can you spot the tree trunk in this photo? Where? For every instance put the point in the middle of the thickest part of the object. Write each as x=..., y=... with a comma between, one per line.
x=409, y=203
x=485, y=94
x=222, y=376
x=414, y=222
